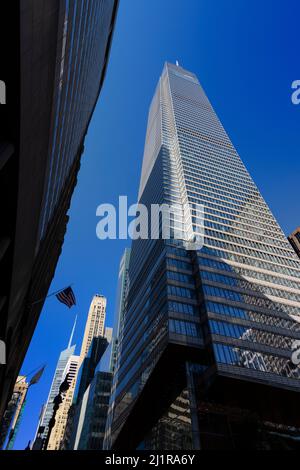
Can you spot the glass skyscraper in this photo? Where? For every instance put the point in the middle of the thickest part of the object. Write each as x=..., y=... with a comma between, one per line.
x=207, y=348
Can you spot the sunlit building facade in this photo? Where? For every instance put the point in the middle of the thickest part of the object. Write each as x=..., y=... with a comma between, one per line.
x=209, y=332
x=95, y=323
x=67, y=364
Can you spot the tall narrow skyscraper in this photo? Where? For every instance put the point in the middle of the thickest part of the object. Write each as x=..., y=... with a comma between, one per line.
x=120, y=308
x=207, y=349
x=122, y=288
x=95, y=323
x=67, y=363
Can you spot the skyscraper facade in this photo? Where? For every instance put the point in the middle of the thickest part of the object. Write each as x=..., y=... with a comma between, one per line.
x=92, y=410
x=54, y=71
x=58, y=431
x=87, y=395
x=122, y=288
x=207, y=349
x=95, y=339
x=93, y=413
x=95, y=323
x=67, y=364
x=120, y=308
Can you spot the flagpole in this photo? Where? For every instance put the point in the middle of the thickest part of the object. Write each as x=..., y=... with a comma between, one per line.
x=50, y=295
x=32, y=372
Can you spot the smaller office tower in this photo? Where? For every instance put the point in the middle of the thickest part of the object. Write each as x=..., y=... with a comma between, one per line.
x=67, y=364
x=122, y=289
x=58, y=431
x=92, y=411
x=294, y=240
x=85, y=376
x=88, y=367
x=95, y=323
x=123, y=280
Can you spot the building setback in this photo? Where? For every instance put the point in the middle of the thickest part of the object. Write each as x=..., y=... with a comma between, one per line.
x=206, y=354
x=53, y=73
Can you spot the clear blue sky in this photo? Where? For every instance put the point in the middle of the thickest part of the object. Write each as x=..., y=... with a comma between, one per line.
x=245, y=55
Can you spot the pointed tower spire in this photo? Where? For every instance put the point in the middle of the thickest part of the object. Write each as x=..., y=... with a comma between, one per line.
x=72, y=333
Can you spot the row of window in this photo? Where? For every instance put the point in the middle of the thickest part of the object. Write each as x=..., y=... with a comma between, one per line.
x=244, y=284
x=226, y=294
x=249, y=299
x=233, y=243
x=251, y=261
x=229, y=206
x=185, y=328
x=257, y=317
x=227, y=188
x=208, y=163
x=246, y=232
x=231, y=214
x=254, y=360
x=267, y=277
x=180, y=277
x=180, y=307
x=254, y=335
x=181, y=292
x=217, y=178
x=179, y=264
x=218, y=154
x=250, y=252
x=234, y=201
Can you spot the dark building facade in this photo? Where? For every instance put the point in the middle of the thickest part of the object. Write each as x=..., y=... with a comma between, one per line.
x=206, y=358
x=294, y=240
x=90, y=362
x=87, y=416
x=53, y=72
x=94, y=410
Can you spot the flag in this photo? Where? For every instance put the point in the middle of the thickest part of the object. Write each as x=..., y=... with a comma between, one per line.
x=35, y=379
x=67, y=297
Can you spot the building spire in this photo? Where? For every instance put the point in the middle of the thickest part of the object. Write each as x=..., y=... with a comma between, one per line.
x=72, y=333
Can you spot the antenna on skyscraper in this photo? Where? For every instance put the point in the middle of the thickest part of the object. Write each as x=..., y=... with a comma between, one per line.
x=72, y=333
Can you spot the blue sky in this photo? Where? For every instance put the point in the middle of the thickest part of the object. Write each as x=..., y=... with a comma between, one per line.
x=244, y=53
